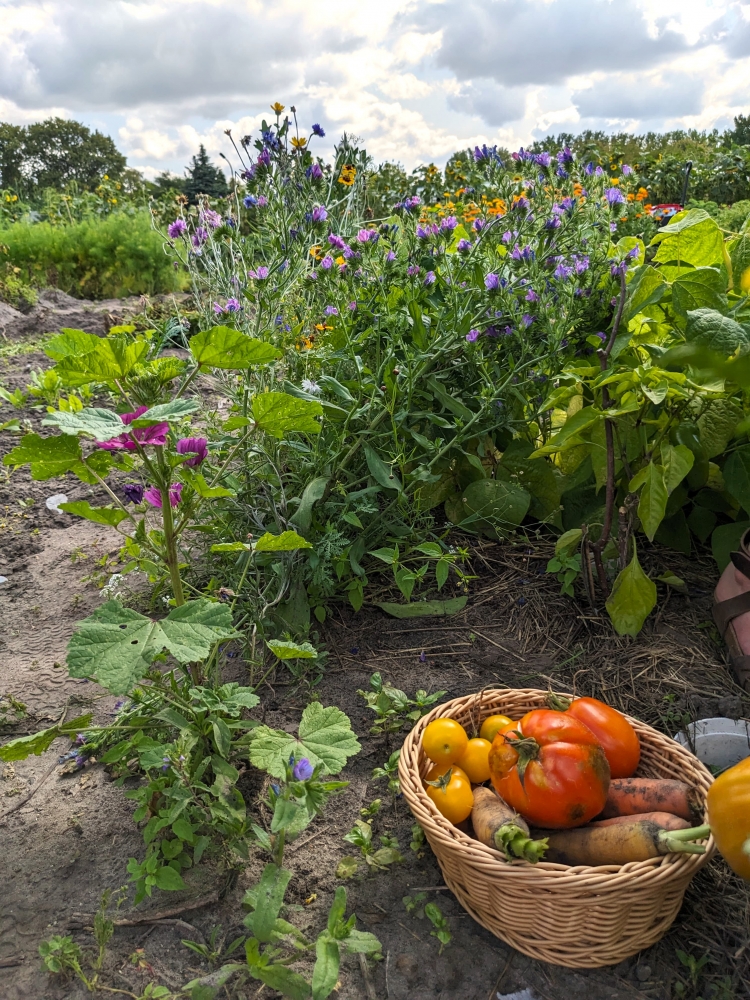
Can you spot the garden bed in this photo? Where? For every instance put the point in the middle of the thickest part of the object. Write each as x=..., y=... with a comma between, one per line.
x=72, y=839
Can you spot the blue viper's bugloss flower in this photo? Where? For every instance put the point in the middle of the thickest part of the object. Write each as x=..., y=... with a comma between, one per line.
x=626, y=169
x=264, y=159
x=352, y=306
x=581, y=264
x=618, y=268
x=553, y=223
x=259, y=274
x=449, y=224
x=249, y=174
x=249, y=201
x=562, y=173
x=331, y=311
x=531, y=296
x=133, y=492
x=327, y=262
x=527, y=320
x=589, y=168
x=520, y=204
x=492, y=282
x=463, y=246
x=314, y=172
x=303, y=770
x=472, y=335
x=336, y=241
x=176, y=228
x=565, y=155
x=233, y=305
x=413, y=270
x=614, y=196
x=390, y=256
x=543, y=159
x=599, y=172
x=317, y=130
x=429, y=278
x=563, y=271
x=319, y=213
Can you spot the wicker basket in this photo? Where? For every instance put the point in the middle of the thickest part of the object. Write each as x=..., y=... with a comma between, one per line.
x=580, y=917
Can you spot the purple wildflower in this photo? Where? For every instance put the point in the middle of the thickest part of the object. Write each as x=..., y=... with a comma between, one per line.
x=531, y=296
x=153, y=496
x=626, y=169
x=154, y=435
x=262, y=201
x=317, y=130
x=249, y=201
x=589, y=169
x=520, y=204
x=581, y=264
x=614, y=196
x=492, y=282
x=543, y=159
x=303, y=770
x=562, y=271
x=422, y=657
x=478, y=225
x=260, y=273
x=429, y=278
x=195, y=447
x=218, y=309
x=331, y=311
x=133, y=492
x=336, y=241
x=449, y=224
x=233, y=305
x=314, y=172
x=565, y=155
x=472, y=335
x=618, y=268
x=176, y=228
x=390, y=257
x=319, y=213
x=463, y=246
x=210, y=218
x=553, y=223
x=199, y=237
x=599, y=172
x=412, y=271
x=327, y=262
x=527, y=320
x=264, y=160
x=352, y=306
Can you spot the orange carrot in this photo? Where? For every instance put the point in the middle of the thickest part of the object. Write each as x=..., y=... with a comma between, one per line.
x=632, y=796
x=619, y=844
x=665, y=821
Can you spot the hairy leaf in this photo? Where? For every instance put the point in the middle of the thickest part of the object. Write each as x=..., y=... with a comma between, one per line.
x=325, y=737
x=223, y=347
x=285, y=649
x=48, y=457
x=278, y=414
x=101, y=425
x=99, y=515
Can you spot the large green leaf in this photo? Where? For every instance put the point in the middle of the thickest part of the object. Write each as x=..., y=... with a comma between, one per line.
x=569, y=434
x=175, y=409
x=717, y=424
x=112, y=358
x=223, y=347
x=278, y=414
x=285, y=649
x=739, y=253
x=116, y=646
x=537, y=477
x=313, y=492
x=290, y=984
x=725, y=539
x=702, y=288
x=424, y=609
x=326, y=969
x=37, y=743
x=645, y=288
x=737, y=476
x=100, y=424
x=676, y=461
x=287, y=541
x=99, y=515
x=493, y=504
x=710, y=329
x=325, y=737
x=699, y=242
x=268, y=902
x=48, y=457
x=70, y=342
x=382, y=474
x=632, y=599
x=653, y=499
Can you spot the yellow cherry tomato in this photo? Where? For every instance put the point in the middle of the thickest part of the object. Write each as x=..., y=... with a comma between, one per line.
x=491, y=725
x=452, y=795
x=475, y=760
x=444, y=741
x=438, y=770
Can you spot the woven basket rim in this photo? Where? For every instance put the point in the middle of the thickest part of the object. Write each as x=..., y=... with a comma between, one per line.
x=548, y=874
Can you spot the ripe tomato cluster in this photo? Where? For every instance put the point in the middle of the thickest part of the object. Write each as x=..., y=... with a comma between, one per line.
x=553, y=766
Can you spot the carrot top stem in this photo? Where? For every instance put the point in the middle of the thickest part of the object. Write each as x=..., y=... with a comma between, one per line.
x=681, y=841
x=516, y=843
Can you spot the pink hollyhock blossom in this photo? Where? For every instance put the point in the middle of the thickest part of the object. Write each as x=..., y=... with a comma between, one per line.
x=154, y=435
x=196, y=448
x=153, y=496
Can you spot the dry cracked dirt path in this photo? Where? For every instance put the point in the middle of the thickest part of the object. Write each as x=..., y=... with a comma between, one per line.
x=72, y=838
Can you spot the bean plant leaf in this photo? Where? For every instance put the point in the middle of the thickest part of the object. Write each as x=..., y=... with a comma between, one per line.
x=99, y=515
x=176, y=409
x=708, y=328
x=653, y=500
x=699, y=242
x=424, y=609
x=737, y=476
x=48, y=457
x=169, y=879
x=285, y=649
x=632, y=599
x=223, y=347
x=325, y=737
x=116, y=646
x=100, y=424
x=278, y=414
x=701, y=288
x=494, y=504
x=287, y=541
x=717, y=424
x=646, y=287
x=37, y=743
x=677, y=461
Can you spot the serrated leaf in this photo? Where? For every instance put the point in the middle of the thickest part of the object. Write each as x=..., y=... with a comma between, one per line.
x=287, y=541
x=285, y=649
x=279, y=414
x=653, y=500
x=100, y=424
x=99, y=515
x=223, y=347
x=176, y=409
x=48, y=457
x=231, y=547
x=325, y=737
x=111, y=359
x=37, y=743
x=632, y=600
x=424, y=609
x=115, y=646
x=382, y=474
x=70, y=342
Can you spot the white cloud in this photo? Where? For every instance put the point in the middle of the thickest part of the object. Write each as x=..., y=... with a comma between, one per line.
x=416, y=79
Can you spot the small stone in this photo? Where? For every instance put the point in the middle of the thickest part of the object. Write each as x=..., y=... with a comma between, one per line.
x=408, y=966
x=3, y=580
x=53, y=502
x=643, y=973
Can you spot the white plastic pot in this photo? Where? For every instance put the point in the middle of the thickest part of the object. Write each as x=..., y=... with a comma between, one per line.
x=718, y=743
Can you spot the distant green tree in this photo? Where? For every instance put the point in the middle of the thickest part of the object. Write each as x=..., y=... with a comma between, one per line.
x=57, y=152
x=741, y=133
x=165, y=182
x=204, y=178
x=11, y=155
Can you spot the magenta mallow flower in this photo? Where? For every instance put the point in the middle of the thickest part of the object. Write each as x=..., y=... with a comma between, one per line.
x=153, y=496
x=176, y=228
x=196, y=448
x=154, y=435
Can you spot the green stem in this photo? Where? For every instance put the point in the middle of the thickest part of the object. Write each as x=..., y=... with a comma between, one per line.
x=681, y=841
x=170, y=544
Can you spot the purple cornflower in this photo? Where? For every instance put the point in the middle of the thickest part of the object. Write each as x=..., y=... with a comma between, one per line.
x=319, y=213
x=327, y=262
x=133, y=492
x=154, y=435
x=303, y=770
x=249, y=201
x=176, y=228
x=199, y=237
x=195, y=447
x=233, y=305
x=492, y=282
x=390, y=256
x=331, y=311
x=449, y=224
x=463, y=246
x=531, y=296
x=260, y=273
x=429, y=278
x=336, y=241
x=614, y=196
x=210, y=218
x=314, y=172
x=153, y=496
x=317, y=130
x=412, y=271
x=472, y=335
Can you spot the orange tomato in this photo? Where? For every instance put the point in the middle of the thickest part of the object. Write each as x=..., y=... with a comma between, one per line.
x=474, y=761
x=444, y=740
x=556, y=776
x=491, y=725
x=452, y=795
x=617, y=738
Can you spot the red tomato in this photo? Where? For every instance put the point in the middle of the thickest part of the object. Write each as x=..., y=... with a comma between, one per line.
x=618, y=739
x=556, y=776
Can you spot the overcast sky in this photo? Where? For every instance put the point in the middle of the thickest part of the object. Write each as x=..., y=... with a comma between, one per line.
x=415, y=79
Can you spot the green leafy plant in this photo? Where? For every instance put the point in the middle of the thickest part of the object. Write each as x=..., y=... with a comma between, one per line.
x=439, y=921
x=376, y=857
x=393, y=708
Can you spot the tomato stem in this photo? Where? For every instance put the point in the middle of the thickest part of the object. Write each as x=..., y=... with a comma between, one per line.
x=527, y=749
x=443, y=781
x=558, y=702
